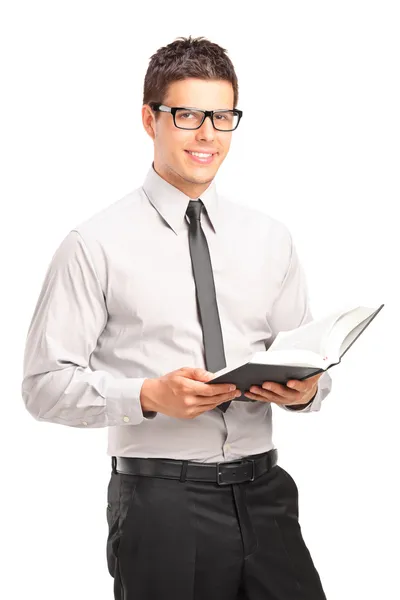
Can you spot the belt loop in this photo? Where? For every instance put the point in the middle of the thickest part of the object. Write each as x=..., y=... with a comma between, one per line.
x=270, y=459
x=114, y=464
x=183, y=471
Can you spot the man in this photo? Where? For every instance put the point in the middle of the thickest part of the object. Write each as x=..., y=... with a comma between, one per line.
x=141, y=304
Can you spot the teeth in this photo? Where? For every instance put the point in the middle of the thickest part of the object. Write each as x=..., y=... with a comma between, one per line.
x=201, y=155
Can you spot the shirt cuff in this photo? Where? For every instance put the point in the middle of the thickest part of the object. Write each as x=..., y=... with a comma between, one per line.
x=123, y=402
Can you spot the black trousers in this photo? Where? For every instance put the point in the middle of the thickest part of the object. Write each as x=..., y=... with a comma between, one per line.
x=203, y=541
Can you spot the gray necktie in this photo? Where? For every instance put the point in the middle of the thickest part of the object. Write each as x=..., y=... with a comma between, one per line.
x=205, y=293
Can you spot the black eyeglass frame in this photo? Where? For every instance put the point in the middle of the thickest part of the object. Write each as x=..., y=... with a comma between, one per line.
x=157, y=106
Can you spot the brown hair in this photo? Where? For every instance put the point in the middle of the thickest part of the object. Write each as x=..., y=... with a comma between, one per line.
x=183, y=58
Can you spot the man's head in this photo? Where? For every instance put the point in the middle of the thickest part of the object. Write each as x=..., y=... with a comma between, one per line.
x=189, y=73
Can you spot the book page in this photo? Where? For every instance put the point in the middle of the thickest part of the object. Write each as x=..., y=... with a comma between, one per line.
x=312, y=336
x=346, y=329
x=319, y=343
x=352, y=336
x=292, y=358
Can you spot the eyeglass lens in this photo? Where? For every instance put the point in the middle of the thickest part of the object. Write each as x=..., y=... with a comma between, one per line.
x=191, y=119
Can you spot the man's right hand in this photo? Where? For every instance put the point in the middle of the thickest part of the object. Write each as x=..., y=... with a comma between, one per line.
x=183, y=394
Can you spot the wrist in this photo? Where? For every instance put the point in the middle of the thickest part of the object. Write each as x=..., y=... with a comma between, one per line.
x=302, y=406
x=147, y=395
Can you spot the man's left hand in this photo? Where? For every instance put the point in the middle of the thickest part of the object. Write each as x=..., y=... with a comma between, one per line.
x=298, y=392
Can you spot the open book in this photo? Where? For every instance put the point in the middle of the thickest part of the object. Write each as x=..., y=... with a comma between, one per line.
x=300, y=353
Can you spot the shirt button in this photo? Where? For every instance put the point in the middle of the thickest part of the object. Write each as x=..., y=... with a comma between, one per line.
x=84, y=423
x=126, y=419
x=227, y=447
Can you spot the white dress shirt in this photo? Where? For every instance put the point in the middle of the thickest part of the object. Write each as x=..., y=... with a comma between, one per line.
x=118, y=305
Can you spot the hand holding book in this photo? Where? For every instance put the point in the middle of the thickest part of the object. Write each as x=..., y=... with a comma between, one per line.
x=295, y=393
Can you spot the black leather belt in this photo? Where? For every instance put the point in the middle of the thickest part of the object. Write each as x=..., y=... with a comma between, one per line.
x=224, y=473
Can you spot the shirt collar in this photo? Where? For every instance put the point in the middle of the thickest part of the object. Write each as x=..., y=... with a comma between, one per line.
x=172, y=204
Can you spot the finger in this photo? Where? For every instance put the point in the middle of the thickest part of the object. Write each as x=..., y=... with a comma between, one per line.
x=279, y=389
x=218, y=399
x=226, y=397
x=282, y=398
x=204, y=389
x=211, y=405
x=306, y=385
x=273, y=398
x=253, y=396
x=301, y=386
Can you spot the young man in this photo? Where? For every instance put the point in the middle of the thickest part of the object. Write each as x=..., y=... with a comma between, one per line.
x=140, y=305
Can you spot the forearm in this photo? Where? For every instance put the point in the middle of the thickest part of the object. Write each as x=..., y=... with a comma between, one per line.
x=80, y=397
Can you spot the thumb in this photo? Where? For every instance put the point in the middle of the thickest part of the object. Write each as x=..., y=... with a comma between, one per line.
x=199, y=374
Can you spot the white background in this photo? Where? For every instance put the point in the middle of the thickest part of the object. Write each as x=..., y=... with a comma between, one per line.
x=318, y=147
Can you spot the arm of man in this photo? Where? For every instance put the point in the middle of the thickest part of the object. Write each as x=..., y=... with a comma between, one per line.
x=290, y=310
x=58, y=385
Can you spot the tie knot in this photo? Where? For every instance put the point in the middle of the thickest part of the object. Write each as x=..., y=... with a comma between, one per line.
x=194, y=209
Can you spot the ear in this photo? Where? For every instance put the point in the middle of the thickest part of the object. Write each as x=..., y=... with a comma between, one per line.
x=148, y=121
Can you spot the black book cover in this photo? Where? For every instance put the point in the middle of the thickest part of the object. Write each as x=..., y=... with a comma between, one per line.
x=255, y=374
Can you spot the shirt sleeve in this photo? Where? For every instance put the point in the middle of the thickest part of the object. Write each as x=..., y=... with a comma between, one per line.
x=58, y=386
x=292, y=309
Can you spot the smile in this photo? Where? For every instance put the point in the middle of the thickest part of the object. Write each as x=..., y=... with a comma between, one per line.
x=201, y=157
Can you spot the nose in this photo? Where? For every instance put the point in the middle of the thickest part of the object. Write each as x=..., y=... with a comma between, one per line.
x=206, y=131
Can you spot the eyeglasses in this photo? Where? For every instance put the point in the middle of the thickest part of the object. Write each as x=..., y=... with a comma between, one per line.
x=193, y=118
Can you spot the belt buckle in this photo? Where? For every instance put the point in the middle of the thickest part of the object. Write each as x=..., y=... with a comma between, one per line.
x=237, y=463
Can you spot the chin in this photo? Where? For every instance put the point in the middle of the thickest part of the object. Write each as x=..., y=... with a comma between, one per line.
x=201, y=172
x=201, y=178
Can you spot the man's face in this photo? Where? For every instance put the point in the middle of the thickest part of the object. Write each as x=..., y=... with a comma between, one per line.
x=172, y=159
